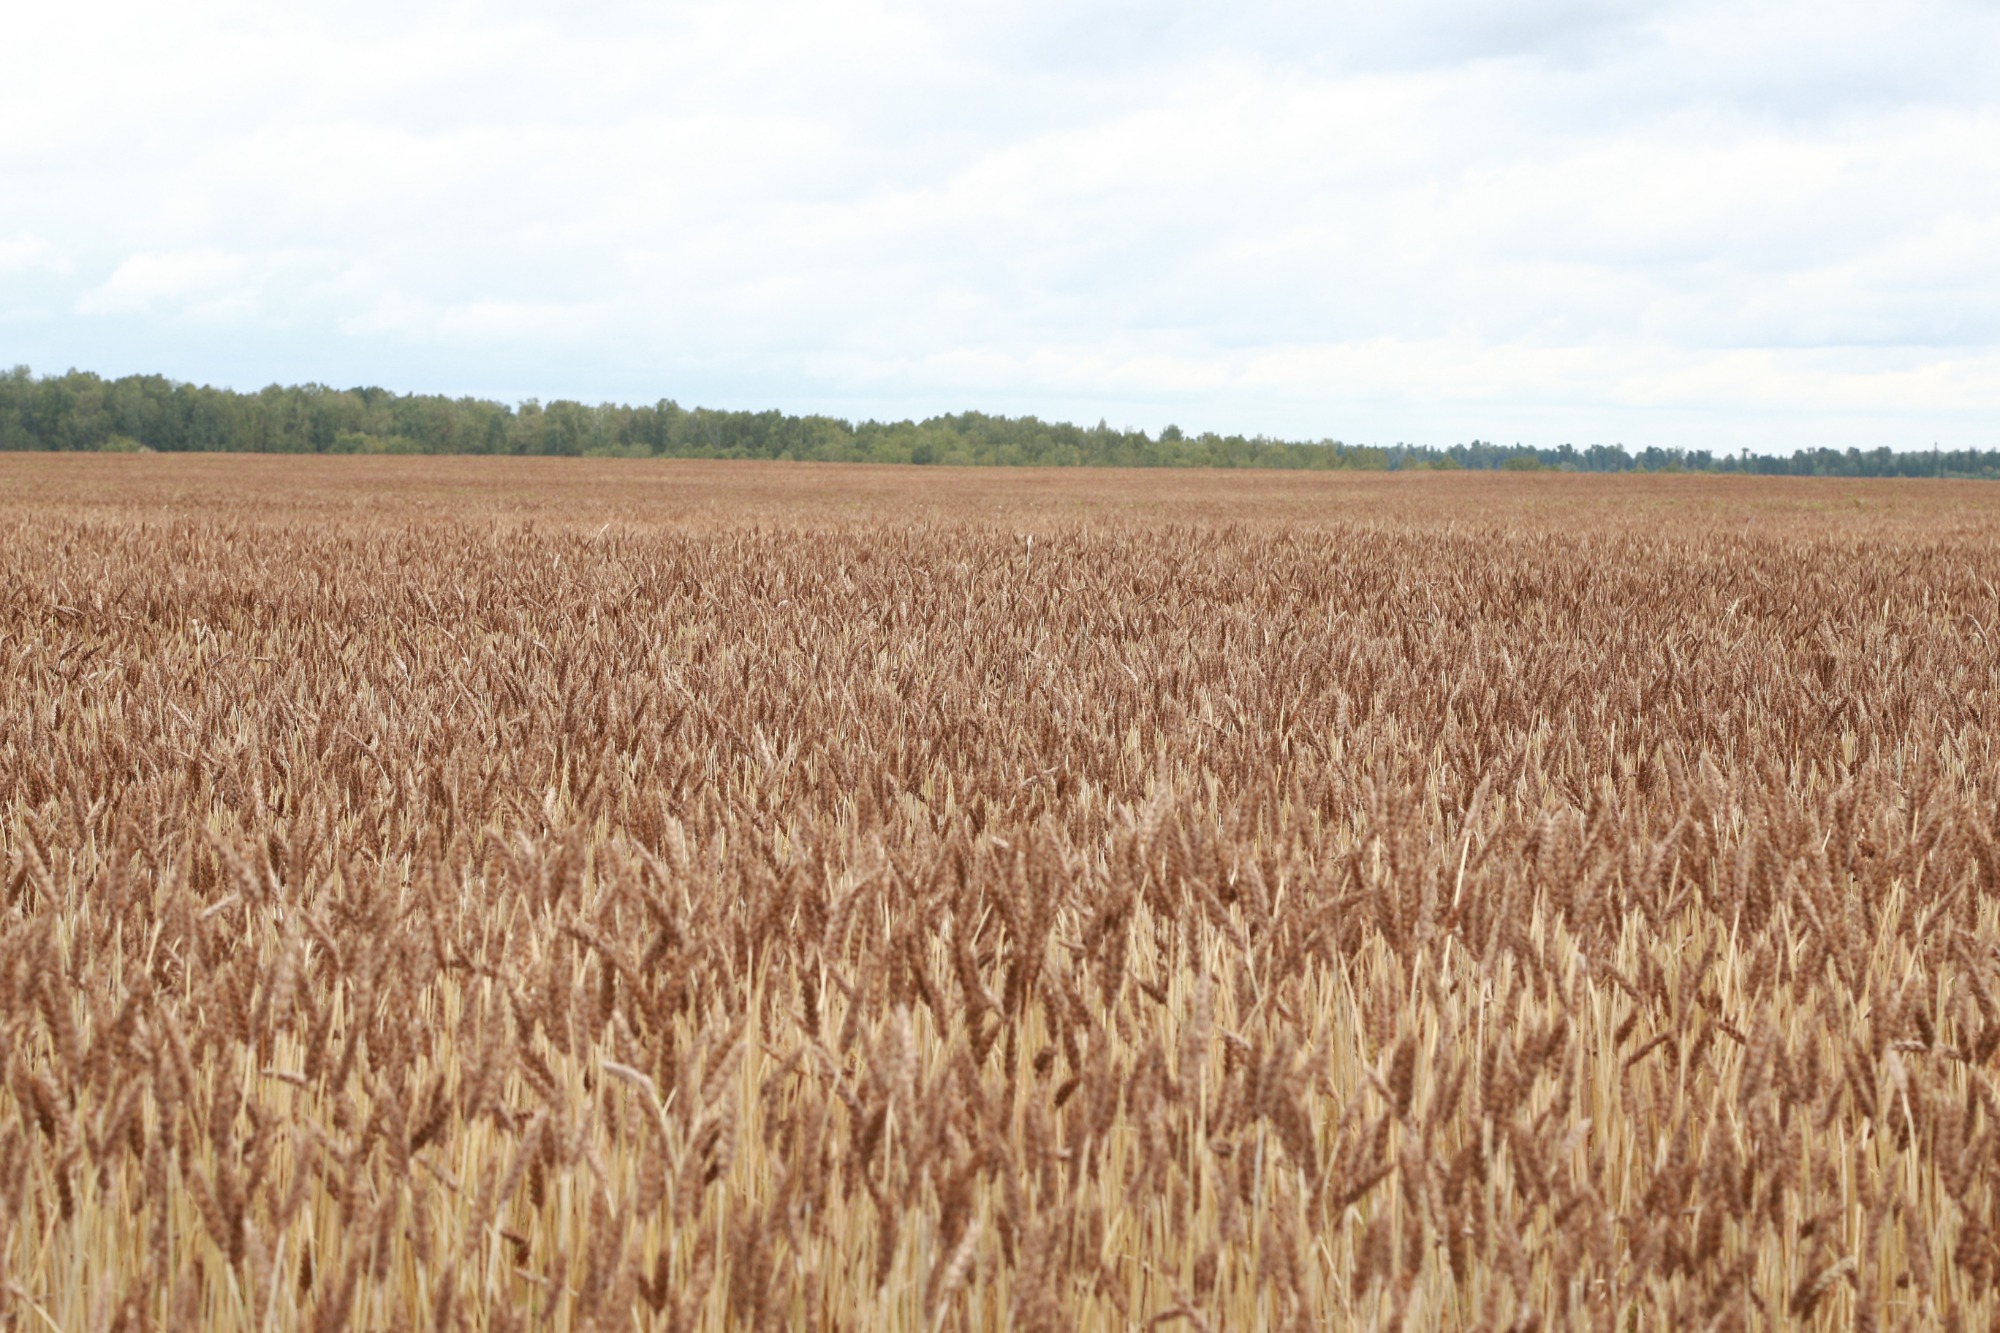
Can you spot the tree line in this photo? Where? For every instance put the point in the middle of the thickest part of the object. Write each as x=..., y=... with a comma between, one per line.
x=84, y=411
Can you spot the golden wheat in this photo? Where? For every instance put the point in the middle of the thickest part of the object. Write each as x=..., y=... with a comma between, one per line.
x=469, y=894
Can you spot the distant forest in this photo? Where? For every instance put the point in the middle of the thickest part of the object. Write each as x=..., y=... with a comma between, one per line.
x=83, y=411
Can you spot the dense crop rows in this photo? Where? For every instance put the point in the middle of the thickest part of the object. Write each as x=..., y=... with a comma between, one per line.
x=503, y=896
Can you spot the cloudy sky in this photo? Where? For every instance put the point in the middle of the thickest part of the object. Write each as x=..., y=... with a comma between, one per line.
x=1692, y=222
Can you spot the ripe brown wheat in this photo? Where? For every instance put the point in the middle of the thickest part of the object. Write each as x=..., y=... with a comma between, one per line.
x=586, y=895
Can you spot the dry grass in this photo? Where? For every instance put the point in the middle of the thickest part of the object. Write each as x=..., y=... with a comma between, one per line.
x=472, y=894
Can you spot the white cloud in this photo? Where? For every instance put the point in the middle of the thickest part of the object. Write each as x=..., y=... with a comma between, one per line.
x=27, y=253
x=1656, y=220
x=145, y=280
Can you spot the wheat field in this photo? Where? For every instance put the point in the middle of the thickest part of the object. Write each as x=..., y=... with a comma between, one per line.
x=565, y=895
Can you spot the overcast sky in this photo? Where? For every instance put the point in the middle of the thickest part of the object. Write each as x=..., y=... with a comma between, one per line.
x=1695, y=222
